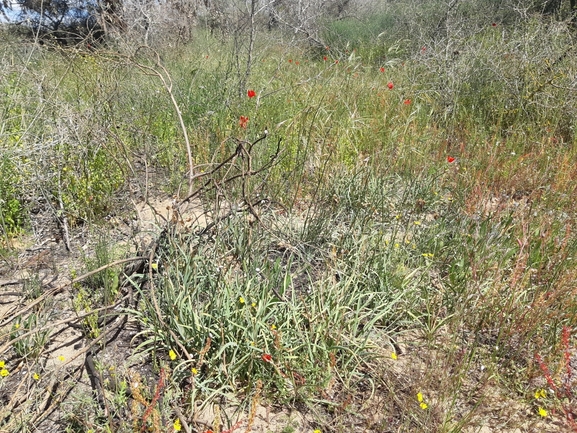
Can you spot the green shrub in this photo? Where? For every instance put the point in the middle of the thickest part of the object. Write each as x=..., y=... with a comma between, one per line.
x=12, y=213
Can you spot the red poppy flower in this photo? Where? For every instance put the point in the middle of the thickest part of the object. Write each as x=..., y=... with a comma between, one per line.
x=382, y=69
x=243, y=122
x=290, y=60
x=266, y=357
x=251, y=93
x=494, y=24
x=390, y=85
x=325, y=58
x=450, y=159
x=407, y=102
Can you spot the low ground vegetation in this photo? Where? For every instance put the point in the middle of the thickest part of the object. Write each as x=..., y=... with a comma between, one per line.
x=376, y=235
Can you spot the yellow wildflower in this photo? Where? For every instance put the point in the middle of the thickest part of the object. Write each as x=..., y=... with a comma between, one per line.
x=424, y=406
x=194, y=371
x=253, y=305
x=317, y=431
x=172, y=355
x=176, y=425
x=417, y=223
x=419, y=397
x=273, y=326
x=540, y=393
x=542, y=412
x=241, y=300
x=36, y=376
x=2, y=364
x=61, y=358
x=393, y=355
x=4, y=372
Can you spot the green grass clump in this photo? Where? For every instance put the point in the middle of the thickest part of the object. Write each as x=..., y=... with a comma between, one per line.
x=314, y=309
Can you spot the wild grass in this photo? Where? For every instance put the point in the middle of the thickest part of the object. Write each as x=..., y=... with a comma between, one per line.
x=421, y=206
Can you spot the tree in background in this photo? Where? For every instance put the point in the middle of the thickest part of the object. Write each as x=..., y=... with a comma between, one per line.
x=151, y=22
x=72, y=20
x=67, y=21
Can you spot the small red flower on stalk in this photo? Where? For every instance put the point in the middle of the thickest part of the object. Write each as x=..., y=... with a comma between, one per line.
x=325, y=58
x=155, y=398
x=290, y=60
x=382, y=69
x=450, y=159
x=494, y=24
x=390, y=85
x=562, y=391
x=251, y=93
x=407, y=102
x=546, y=372
x=243, y=122
x=266, y=357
